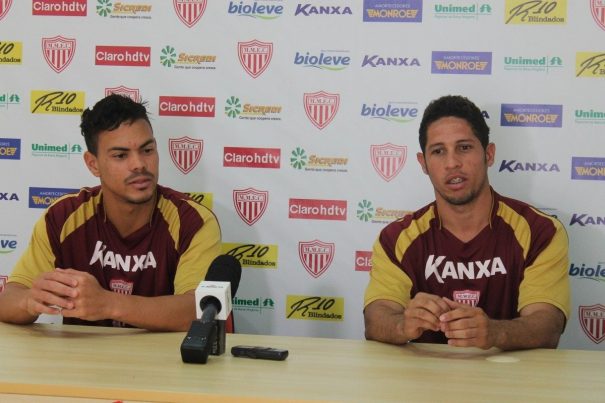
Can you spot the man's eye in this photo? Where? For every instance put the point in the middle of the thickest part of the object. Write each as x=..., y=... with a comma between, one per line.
x=119, y=156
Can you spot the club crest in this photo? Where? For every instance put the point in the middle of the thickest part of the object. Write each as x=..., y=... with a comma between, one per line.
x=388, y=159
x=3, y=280
x=316, y=256
x=468, y=297
x=597, y=8
x=58, y=52
x=321, y=107
x=255, y=56
x=185, y=153
x=189, y=11
x=131, y=93
x=592, y=320
x=5, y=5
x=250, y=204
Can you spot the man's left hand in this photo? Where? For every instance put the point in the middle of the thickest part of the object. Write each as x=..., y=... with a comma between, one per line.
x=467, y=326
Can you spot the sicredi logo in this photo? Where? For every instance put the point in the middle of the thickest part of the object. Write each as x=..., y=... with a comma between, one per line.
x=66, y=8
x=588, y=168
x=312, y=209
x=461, y=63
x=187, y=106
x=363, y=260
x=531, y=115
x=133, y=56
x=10, y=149
x=250, y=157
x=44, y=197
x=392, y=11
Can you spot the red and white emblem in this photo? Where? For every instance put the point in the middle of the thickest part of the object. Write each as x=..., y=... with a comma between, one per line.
x=592, y=319
x=121, y=286
x=468, y=297
x=316, y=256
x=321, y=107
x=597, y=7
x=189, y=11
x=185, y=153
x=58, y=52
x=250, y=204
x=255, y=56
x=5, y=5
x=131, y=93
x=388, y=159
x=3, y=280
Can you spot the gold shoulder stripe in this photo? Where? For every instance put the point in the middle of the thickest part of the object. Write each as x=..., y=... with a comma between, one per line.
x=171, y=215
x=79, y=216
x=416, y=228
x=519, y=224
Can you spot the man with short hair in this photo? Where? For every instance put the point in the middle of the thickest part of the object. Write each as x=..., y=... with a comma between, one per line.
x=472, y=268
x=126, y=253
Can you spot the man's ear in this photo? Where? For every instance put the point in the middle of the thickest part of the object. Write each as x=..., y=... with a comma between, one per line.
x=490, y=154
x=422, y=162
x=91, y=163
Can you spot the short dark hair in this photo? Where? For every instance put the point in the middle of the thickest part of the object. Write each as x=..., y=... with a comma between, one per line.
x=457, y=106
x=107, y=115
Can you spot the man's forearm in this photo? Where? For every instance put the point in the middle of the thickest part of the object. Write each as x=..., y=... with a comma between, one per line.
x=384, y=324
x=537, y=330
x=13, y=305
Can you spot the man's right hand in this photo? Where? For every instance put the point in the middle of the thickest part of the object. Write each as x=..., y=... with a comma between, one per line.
x=50, y=293
x=422, y=314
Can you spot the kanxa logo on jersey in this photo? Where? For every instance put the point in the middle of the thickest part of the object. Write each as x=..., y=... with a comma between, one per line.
x=263, y=10
x=58, y=52
x=251, y=157
x=313, y=9
x=388, y=159
x=132, y=93
x=462, y=10
x=255, y=56
x=313, y=307
x=363, y=260
x=3, y=281
x=189, y=11
x=57, y=102
x=201, y=107
x=391, y=11
x=588, y=168
x=5, y=5
x=597, y=8
x=185, y=152
x=250, y=204
x=65, y=8
x=132, y=56
x=443, y=269
x=11, y=52
x=527, y=115
x=467, y=297
x=316, y=256
x=253, y=255
x=9, y=99
x=590, y=64
x=535, y=12
x=44, y=197
x=8, y=244
x=109, y=259
x=445, y=62
x=518, y=166
x=321, y=107
x=312, y=209
x=10, y=149
x=592, y=320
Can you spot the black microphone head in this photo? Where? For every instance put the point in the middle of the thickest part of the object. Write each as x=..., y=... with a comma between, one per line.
x=225, y=268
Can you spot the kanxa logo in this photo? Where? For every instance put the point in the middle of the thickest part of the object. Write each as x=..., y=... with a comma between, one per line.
x=250, y=204
x=316, y=256
x=255, y=56
x=310, y=9
x=5, y=5
x=185, y=153
x=597, y=8
x=58, y=52
x=321, y=107
x=388, y=159
x=189, y=11
x=132, y=93
x=585, y=219
x=592, y=320
x=517, y=166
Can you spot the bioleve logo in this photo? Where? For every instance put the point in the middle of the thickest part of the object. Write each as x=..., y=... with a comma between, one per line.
x=446, y=62
x=66, y=8
x=132, y=93
x=592, y=320
x=316, y=256
x=588, y=273
x=250, y=204
x=264, y=10
x=597, y=8
x=321, y=107
x=391, y=11
x=10, y=149
x=588, y=168
x=185, y=152
x=58, y=52
x=388, y=159
x=255, y=56
x=528, y=115
x=331, y=60
x=189, y=11
x=5, y=5
x=394, y=111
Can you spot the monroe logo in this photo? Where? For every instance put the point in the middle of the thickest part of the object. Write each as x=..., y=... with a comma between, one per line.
x=10, y=149
x=584, y=219
x=58, y=52
x=531, y=115
x=363, y=260
x=460, y=270
x=590, y=64
x=250, y=204
x=44, y=197
x=255, y=56
x=316, y=256
x=128, y=263
x=514, y=166
x=592, y=319
x=309, y=9
x=535, y=12
x=398, y=112
x=73, y=8
x=189, y=11
x=461, y=63
x=256, y=10
x=321, y=107
x=249, y=157
x=135, y=56
x=587, y=168
x=187, y=106
x=327, y=60
x=131, y=93
x=597, y=8
x=391, y=11
x=468, y=297
x=318, y=209
x=185, y=153
x=378, y=61
x=5, y=5
x=388, y=159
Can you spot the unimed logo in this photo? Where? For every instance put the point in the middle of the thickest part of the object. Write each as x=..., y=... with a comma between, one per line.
x=44, y=197
x=250, y=157
x=66, y=8
x=363, y=260
x=312, y=209
x=133, y=56
x=187, y=106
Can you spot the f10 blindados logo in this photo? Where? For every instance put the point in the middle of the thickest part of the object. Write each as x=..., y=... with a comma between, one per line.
x=57, y=102
x=311, y=307
x=543, y=12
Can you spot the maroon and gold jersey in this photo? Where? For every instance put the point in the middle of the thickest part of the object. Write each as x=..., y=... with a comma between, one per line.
x=520, y=258
x=170, y=255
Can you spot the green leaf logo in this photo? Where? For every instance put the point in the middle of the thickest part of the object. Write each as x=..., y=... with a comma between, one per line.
x=104, y=7
x=233, y=108
x=168, y=56
x=298, y=158
x=365, y=211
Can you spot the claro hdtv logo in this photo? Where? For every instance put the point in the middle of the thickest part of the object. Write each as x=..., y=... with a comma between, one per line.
x=311, y=209
x=203, y=107
x=250, y=157
x=132, y=56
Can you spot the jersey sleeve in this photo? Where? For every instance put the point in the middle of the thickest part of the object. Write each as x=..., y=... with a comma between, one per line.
x=38, y=258
x=204, y=247
x=546, y=279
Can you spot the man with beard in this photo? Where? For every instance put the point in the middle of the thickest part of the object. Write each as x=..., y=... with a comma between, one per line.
x=472, y=268
x=128, y=252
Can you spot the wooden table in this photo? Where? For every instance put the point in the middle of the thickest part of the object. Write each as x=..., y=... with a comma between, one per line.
x=136, y=365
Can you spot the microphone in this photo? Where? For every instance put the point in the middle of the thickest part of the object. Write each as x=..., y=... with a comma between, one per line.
x=207, y=333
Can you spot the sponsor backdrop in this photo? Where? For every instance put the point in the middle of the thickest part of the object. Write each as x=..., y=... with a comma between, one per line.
x=296, y=122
